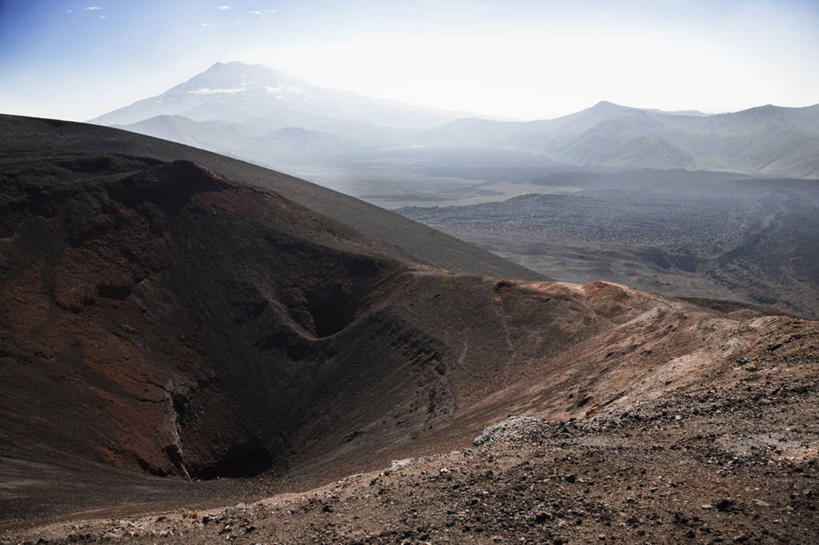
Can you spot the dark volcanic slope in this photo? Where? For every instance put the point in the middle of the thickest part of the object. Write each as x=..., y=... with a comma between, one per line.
x=144, y=299
x=161, y=322
x=719, y=462
x=407, y=238
x=159, y=318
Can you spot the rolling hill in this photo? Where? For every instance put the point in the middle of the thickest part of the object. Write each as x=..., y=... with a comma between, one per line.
x=278, y=145
x=765, y=140
x=401, y=236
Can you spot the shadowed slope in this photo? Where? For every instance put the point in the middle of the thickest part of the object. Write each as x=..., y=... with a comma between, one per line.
x=402, y=236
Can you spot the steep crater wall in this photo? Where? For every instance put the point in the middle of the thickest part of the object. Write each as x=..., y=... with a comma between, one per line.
x=159, y=318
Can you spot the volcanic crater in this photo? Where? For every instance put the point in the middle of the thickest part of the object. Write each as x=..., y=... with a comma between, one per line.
x=163, y=323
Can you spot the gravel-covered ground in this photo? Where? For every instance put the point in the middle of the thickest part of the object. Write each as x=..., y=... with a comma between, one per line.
x=736, y=463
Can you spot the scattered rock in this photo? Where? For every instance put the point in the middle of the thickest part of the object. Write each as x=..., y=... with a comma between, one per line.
x=515, y=429
x=725, y=504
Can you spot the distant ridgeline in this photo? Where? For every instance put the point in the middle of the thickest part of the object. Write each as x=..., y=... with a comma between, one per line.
x=269, y=117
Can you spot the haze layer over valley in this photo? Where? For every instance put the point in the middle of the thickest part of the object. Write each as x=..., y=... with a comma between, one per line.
x=635, y=196
x=693, y=234
x=244, y=109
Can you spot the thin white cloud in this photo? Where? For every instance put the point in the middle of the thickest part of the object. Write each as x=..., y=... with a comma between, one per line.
x=92, y=8
x=262, y=11
x=103, y=17
x=69, y=11
x=255, y=12
x=223, y=7
x=207, y=24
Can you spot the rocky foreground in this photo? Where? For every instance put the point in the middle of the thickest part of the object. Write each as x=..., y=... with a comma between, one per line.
x=734, y=463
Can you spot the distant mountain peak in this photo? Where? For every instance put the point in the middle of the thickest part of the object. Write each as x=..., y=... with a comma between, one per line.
x=607, y=109
x=250, y=93
x=229, y=63
x=762, y=109
x=606, y=106
x=237, y=78
x=236, y=67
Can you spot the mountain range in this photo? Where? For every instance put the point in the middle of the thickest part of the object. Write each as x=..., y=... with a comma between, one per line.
x=764, y=140
x=268, y=117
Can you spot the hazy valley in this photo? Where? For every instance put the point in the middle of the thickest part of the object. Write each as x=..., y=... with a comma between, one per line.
x=686, y=234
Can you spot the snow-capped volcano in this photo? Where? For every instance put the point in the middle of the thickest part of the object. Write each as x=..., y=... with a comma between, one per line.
x=238, y=92
x=235, y=77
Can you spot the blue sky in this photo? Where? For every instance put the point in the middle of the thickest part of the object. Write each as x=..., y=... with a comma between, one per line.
x=515, y=59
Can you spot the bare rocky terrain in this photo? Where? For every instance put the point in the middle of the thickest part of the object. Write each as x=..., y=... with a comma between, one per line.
x=176, y=340
x=677, y=233
x=731, y=458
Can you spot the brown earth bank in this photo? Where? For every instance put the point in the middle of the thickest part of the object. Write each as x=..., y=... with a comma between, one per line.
x=728, y=460
x=174, y=338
